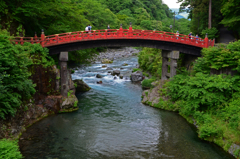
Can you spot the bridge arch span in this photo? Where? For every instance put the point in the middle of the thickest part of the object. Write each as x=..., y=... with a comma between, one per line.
x=164, y=45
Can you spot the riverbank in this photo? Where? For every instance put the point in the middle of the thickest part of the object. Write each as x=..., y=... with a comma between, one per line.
x=157, y=97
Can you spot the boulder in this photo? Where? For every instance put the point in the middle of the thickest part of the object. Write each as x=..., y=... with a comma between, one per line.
x=99, y=76
x=137, y=76
x=125, y=64
x=104, y=66
x=116, y=72
x=110, y=72
x=69, y=102
x=81, y=86
x=109, y=68
x=121, y=76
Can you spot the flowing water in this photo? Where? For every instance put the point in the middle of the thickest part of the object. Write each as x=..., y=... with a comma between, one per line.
x=112, y=123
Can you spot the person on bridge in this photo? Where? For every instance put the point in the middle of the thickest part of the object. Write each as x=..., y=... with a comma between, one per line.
x=196, y=36
x=190, y=35
x=108, y=27
x=177, y=34
x=86, y=29
x=89, y=28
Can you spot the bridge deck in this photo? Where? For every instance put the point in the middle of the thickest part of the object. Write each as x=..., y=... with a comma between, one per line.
x=72, y=37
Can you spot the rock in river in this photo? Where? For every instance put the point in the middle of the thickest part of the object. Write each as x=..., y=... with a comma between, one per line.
x=116, y=72
x=81, y=86
x=98, y=76
x=137, y=76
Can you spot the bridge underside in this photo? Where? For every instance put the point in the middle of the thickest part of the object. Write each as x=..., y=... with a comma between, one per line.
x=170, y=46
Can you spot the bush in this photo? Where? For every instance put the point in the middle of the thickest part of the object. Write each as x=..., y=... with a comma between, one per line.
x=136, y=69
x=212, y=33
x=9, y=150
x=16, y=65
x=146, y=83
x=150, y=60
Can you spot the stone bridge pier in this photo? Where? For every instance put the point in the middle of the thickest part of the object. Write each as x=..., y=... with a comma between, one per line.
x=63, y=58
x=169, y=58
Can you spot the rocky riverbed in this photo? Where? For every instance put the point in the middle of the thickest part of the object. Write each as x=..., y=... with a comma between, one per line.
x=115, y=53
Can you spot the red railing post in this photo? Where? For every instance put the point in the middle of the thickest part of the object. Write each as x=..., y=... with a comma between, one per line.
x=120, y=31
x=32, y=40
x=56, y=38
x=206, y=41
x=42, y=38
x=21, y=41
x=130, y=32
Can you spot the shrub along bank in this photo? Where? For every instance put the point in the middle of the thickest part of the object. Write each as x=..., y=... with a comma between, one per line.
x=210, y=101
x=17, y=64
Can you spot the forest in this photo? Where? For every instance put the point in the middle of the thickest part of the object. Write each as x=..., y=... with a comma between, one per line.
x=224, y=13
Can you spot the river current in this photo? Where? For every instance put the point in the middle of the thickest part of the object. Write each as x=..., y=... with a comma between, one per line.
x=112, y=123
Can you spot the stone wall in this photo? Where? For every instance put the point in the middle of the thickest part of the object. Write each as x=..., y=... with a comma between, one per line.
x=46, y=101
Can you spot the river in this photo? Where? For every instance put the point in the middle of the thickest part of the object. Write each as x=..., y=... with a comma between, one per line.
x=112, y=123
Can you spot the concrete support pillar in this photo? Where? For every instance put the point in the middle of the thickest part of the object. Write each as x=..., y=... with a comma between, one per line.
x=165, y=64
x=173, y=56
x=63, y=58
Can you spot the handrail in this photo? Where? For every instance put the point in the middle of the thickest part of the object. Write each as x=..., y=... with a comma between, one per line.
x=77, y=36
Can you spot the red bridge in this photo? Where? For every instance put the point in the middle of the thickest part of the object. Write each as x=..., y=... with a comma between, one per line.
x=118, y=37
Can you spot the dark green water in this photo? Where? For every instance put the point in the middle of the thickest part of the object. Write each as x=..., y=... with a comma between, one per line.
x=112, y=123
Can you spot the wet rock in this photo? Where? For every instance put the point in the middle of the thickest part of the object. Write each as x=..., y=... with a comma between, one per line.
x=104, y=66
x=115, y=78
x=121, y=68
x=98, y=76
x=137, y=76
x=121, y=76
x=81, y=86
x=124, y=64
x=69, y=102
x=109, y=68
x=110, y=72
x=99, y=82
x=116, y=72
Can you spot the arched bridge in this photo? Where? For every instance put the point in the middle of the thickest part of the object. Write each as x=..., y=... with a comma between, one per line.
x=119, y=37
x=170, y=43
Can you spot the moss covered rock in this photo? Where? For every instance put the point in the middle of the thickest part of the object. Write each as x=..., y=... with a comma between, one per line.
x=81, y=86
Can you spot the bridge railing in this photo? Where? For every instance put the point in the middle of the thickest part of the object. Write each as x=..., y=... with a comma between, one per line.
x=130, y=33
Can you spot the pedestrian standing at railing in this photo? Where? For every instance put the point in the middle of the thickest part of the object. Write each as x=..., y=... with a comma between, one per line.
x=108, y=27
x=89, y=28
x=86, y=29
x=196, y=36
x=190, y=35
x=177, y=34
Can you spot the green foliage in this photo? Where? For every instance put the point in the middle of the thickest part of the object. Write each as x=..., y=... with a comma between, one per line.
x=9, y=149
x=14, y=76
x=136, y=69
x=16, y=65
x=219, y=57
x=212, y=33
x=150, y=60
x=231, y=16
x=75, y=103
x=146, y=83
